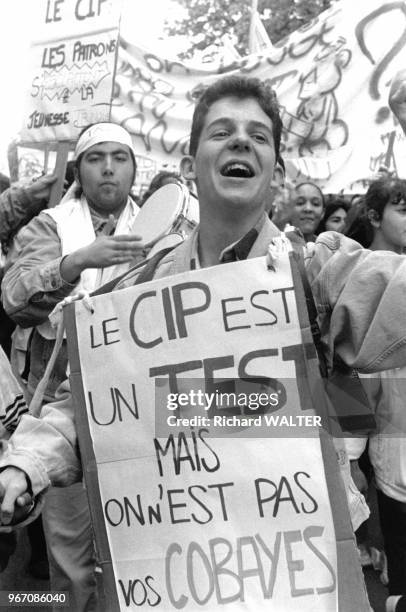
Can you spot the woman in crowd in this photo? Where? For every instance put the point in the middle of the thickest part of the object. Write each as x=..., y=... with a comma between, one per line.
x=335, y=216
x=164, y=177
x=382, y=226
x=308, y=209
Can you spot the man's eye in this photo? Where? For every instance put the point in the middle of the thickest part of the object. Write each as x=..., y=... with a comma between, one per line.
x=260, y=137
x=93, y=158
x=300, y=202
x=220, y=133
x=121, y=158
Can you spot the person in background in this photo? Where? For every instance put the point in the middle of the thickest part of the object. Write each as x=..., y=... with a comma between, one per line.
x=235, y=140
x=79, y=244
x=308, y=208
x=335, y=216
x=18, y=205
x=237, y=119
x=12, y=407
x=379, y=225
x=164, y=177
x=382, y=227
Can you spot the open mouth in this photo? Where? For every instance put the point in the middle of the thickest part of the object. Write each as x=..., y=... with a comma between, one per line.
x=237, y=170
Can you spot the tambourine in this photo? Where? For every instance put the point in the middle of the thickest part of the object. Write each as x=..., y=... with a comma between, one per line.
x=172, y=209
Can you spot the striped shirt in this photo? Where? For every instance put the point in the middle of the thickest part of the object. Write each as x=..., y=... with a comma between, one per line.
x=12, y=402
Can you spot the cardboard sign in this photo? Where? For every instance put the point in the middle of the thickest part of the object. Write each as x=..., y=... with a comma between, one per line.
x=210, y=481
x=72, y=67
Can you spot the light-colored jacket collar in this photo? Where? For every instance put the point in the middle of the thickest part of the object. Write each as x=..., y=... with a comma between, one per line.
x=187, y=250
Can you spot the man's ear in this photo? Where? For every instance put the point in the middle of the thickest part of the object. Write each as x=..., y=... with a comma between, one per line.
x=373, y=218
x=187, y=168
x=278, y=176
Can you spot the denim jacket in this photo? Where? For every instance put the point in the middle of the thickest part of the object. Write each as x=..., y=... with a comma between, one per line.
x=16, y=209
x=387, y=445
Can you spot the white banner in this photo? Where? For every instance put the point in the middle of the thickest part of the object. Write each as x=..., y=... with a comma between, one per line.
x=332, y=78
x=207, y=512
x=72, y=61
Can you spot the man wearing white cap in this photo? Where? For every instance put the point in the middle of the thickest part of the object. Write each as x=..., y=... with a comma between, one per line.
x=80, y=244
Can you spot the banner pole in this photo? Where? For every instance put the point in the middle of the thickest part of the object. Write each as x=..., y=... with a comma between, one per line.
x=115, y=65
x=46, y=158
x=12, y=158
x=254, y=9
x=60, y=170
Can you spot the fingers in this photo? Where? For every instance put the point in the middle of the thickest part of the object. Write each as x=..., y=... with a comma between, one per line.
x=125, y=248
x=125, y=255
x=125, y=245
x=13, y=485
x=43, y=181
x=41, y=188
x=8, y=504
x=24, y=500
x=106, y=251
x=130, y=238
x=47, y=179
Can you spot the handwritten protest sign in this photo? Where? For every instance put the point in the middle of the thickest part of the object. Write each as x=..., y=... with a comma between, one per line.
x=332, y=79
x=222, y=510
x=72, y=61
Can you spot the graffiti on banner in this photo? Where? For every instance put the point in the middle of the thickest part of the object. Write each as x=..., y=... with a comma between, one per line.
x=332, y=79
x=72, y=68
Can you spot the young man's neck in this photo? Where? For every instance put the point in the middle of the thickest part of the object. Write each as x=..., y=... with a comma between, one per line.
x=217, y=234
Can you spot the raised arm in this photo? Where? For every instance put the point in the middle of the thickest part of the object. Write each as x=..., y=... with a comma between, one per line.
x=40, y=452
x=32, y=284
x=19, y=204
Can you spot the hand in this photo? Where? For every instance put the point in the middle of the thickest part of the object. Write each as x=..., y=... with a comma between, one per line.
x=40, y=189
x=103, y=252
x=15, y=499
x=397, y=97
x=109, y=250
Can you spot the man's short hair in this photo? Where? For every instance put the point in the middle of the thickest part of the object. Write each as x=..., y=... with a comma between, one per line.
x=242, y=88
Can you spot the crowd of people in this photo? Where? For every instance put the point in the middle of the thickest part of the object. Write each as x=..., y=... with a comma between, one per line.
x=354, y=263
